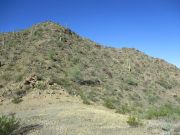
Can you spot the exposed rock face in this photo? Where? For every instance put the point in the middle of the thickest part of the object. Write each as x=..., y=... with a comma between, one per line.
x=31, y=80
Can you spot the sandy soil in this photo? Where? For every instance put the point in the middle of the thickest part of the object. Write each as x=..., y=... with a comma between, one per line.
x=62, y=114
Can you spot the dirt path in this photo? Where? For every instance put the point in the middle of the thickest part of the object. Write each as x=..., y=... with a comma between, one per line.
x=61, y=114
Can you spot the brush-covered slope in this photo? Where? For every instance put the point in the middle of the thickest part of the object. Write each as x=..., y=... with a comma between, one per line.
x=49, y=56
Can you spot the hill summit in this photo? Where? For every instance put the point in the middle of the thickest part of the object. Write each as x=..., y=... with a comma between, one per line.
x=50, y=56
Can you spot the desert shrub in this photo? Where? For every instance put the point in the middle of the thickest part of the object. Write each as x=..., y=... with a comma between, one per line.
x=52, y=55
x=84, y=98
x=41, y=85
x=134, y=96
x=39, y=77
x=86, y=101
x=164, y=84
x=155, y=113
x=6, y=76
x=75, y=73
x=132, y=81
x=177, y=99
x=17, y=100
x=109, y=104
x=38, y=33
x=89, y=82
x=76, y=60
x=59, y=44
x=123, y=109
x=152, y=99
x=1, y=86
x=162, y=111
x=93, y=96
x=133, y=121
x=19, y=78
x=21, y=92
x=60, y=81
x=8, y=124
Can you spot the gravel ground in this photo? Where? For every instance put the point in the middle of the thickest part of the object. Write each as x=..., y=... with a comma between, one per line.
x=61, y=114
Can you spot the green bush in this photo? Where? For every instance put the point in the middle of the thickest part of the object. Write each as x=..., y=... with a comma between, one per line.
x=75, y=73
x=84, y=98
x=164, y=84
x=156, y=113
x=38, y=33
x=133, y=121
x=8, y=124
x=162, y=111
x=19, y=78
x=109, y=104
x=123, y=109
x=17, y=100
x=131, y=81
x=152, y=99
x=177, y=99
x=86, y=101
x=93, y=96
x=76, y=60
x=41, y=85
x=6, y=76
x=52, y=55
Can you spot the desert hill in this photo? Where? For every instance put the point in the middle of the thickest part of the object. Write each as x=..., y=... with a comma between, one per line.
x=48, y=56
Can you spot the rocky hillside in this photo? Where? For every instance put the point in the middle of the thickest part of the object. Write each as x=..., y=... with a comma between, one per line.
x=49, y=56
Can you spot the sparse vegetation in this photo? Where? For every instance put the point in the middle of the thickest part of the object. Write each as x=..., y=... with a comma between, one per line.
x=131, y=81
x=123, y=109
x=164, y=84
x=84, y=98
x=8, y=124
x=41, y=85
x=6, y=76
x=166, y=110
x=52, y=55
x=109, y=104
x=152, y=99
x=75, y=73
x=19, y=77
x=133, y=121
x=62, y=58
x=17, y=100
x=177, y=99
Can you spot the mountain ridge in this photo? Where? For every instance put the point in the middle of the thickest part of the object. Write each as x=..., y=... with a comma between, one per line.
x=56, y=26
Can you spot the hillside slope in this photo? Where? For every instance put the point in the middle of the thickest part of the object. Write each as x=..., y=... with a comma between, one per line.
x=49, y=56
